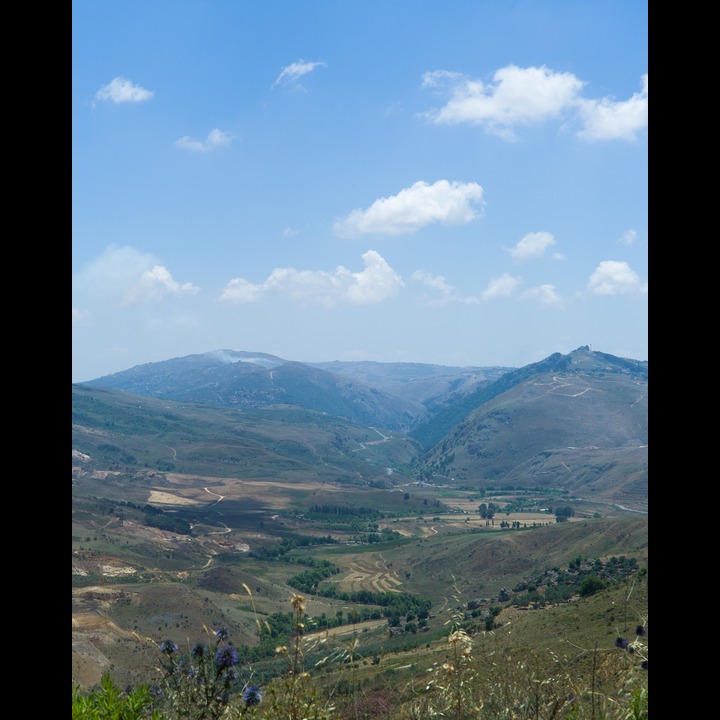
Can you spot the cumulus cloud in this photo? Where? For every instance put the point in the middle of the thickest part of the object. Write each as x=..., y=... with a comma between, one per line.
x=449, y=203
x=240, y=292
x=516, y=96
x=627, y=238
x=523, y=96
x=216, y=138
x=113, y=271
x=155, y=284
x=120, y=90
x=544, y=295
x=501, y=287
x=375, y=283
x=295, y=71
x=532, y=246
x=606, y=119
x=127, y=275
x=612, y=277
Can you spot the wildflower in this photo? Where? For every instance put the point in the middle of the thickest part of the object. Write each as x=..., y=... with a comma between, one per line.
x=459, y=636
x=226, y=657
x=643, y=664
x=621, y=642
x=298, y=602
x=640, y=630
x=157, y=692
x=198, y=651
x=222, y=634
x=168, y=647
x=252, y=695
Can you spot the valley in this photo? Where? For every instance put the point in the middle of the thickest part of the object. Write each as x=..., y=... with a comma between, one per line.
x=189, y=517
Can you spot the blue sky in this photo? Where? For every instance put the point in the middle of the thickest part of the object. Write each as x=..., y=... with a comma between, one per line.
x=460, y=182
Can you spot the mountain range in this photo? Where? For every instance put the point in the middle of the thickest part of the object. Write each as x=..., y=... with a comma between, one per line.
x=578, y=422
x=203, y=483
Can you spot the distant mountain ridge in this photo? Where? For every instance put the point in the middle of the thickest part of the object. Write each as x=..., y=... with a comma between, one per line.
x=393, y=395
x=432, y=431
x=577, y=422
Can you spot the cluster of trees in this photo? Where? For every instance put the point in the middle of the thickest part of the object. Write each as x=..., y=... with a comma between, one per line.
x=287, y=544
x=392, y=604
x=309, y=580
x=385, y=535
x=562, y=514
x=583, y=577
x=487, y=510
x=327, y=509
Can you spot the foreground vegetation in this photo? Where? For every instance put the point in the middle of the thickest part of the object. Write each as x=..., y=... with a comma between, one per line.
x=467, y=674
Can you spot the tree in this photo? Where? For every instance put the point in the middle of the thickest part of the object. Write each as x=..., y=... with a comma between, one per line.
x=563, y=513
x=591, y=584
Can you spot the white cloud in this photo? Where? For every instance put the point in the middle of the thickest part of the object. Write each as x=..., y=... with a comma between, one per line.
x=113, y=272
x=545, y=295
x=216, y=138
x=609, y=120
x=612, y=277
x=240, y=291
x=296, y=70
x=155, y=284
x=523, y=96
x=627, y=238
x=375, y=283
x=289, y=232
x=413, y=208
x=434, y=281
x=126, y=275
x=517, y=96
x=501, y=287
x=532, y=246
x=121, y=90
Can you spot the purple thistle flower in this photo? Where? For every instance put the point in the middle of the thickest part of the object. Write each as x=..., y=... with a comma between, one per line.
x=198, y=650
x=640, y=630
x=621, y=642
x=222, y=634
x=226, y=657
x=252, y=695
x=643, y=664
x=168, y=647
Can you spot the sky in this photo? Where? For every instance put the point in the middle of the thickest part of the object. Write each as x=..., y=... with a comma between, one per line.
x=458, y=183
